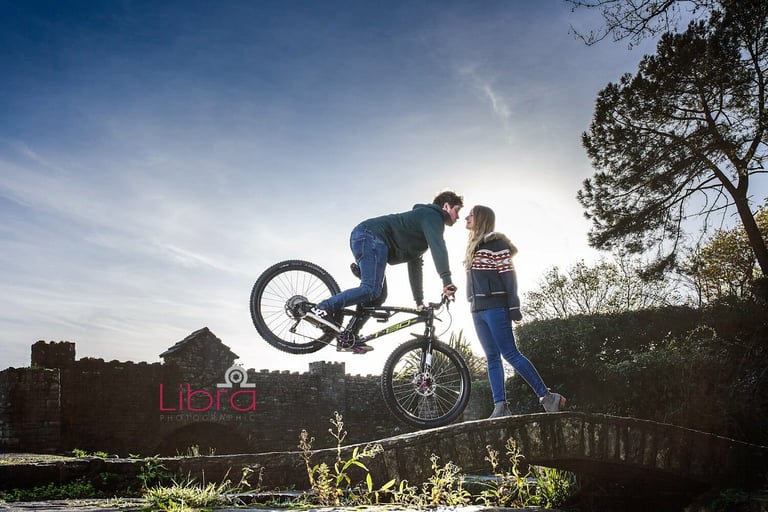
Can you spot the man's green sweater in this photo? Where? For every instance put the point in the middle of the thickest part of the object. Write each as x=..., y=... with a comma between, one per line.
x=408, y=236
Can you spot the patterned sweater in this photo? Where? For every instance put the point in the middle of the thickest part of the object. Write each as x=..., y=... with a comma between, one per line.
x=491, y=278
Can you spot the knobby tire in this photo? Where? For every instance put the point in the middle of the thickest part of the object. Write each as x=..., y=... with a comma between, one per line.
x=286, y=283
x=422, y=399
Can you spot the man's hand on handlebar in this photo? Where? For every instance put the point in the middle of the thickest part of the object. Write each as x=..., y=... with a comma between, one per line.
x=448, y=295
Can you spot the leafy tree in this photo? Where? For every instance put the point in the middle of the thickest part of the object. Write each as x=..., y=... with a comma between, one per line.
x=606, y=287
x=680, y=140
x=725, y=266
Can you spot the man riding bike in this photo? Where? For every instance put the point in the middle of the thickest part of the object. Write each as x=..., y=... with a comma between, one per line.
x=395, y=238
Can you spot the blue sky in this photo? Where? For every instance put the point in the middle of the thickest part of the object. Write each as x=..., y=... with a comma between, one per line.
x=155, y=157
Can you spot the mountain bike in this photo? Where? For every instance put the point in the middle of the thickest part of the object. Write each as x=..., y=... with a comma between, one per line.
x=425, y=382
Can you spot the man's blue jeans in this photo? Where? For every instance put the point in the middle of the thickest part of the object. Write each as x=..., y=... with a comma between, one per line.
x=494, y=330
x=371, y=255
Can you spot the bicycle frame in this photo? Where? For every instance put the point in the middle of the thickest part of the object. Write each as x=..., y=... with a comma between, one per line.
x=424, y=382
x=425, y=316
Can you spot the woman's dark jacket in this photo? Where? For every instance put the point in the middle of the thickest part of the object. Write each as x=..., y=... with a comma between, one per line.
x=491, y=278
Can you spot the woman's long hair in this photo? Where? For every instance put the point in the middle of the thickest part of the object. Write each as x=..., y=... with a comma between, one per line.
x=484, y=222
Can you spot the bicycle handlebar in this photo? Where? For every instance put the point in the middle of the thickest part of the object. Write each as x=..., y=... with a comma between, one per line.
x=445, y=300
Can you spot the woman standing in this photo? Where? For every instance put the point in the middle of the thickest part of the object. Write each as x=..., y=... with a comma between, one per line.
x=492, y=294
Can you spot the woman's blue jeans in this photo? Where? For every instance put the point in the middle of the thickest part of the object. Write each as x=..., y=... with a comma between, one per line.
x=371, y=255
x=494, y=330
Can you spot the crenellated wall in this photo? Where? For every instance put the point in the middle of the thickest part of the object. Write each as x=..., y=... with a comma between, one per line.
x=197, y=397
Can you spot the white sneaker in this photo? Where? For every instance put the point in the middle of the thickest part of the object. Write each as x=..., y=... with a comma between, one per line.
x=321, y=318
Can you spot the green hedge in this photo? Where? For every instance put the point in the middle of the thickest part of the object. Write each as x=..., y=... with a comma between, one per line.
x=700, y=368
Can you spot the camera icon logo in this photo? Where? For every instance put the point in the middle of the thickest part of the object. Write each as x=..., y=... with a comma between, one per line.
x=236, y=374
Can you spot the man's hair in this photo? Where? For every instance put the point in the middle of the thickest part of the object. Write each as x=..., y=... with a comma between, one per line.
x=449, y=197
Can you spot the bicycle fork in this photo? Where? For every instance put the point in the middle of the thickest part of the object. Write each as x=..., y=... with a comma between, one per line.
x=423, y=380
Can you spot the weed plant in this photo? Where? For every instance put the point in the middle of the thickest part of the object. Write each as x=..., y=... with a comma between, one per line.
x=334, y=486
x=189, y=494
x=77, y=489
x=510, y=487
x=153, y=472
x=82, y=453
x=445, y=486
x=513, y=487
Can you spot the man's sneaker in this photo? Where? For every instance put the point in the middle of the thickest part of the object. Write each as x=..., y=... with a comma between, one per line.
x=321, y=318
x=347, y=344
x=552, y=402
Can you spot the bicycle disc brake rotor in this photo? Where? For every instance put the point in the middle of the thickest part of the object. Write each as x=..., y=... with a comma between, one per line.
x=423, y=384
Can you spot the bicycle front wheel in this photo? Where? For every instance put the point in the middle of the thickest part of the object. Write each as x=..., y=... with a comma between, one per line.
x=426, y=383
x=276, y=299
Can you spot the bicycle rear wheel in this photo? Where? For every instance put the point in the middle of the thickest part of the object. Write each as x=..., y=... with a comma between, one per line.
x=276, y=298
x=426, y=383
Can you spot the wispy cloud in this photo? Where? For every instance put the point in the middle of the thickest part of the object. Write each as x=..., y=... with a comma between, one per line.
x=489, y=94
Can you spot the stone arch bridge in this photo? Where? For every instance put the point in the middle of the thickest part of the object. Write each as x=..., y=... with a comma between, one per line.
x=591, y=444
x=624, y=449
